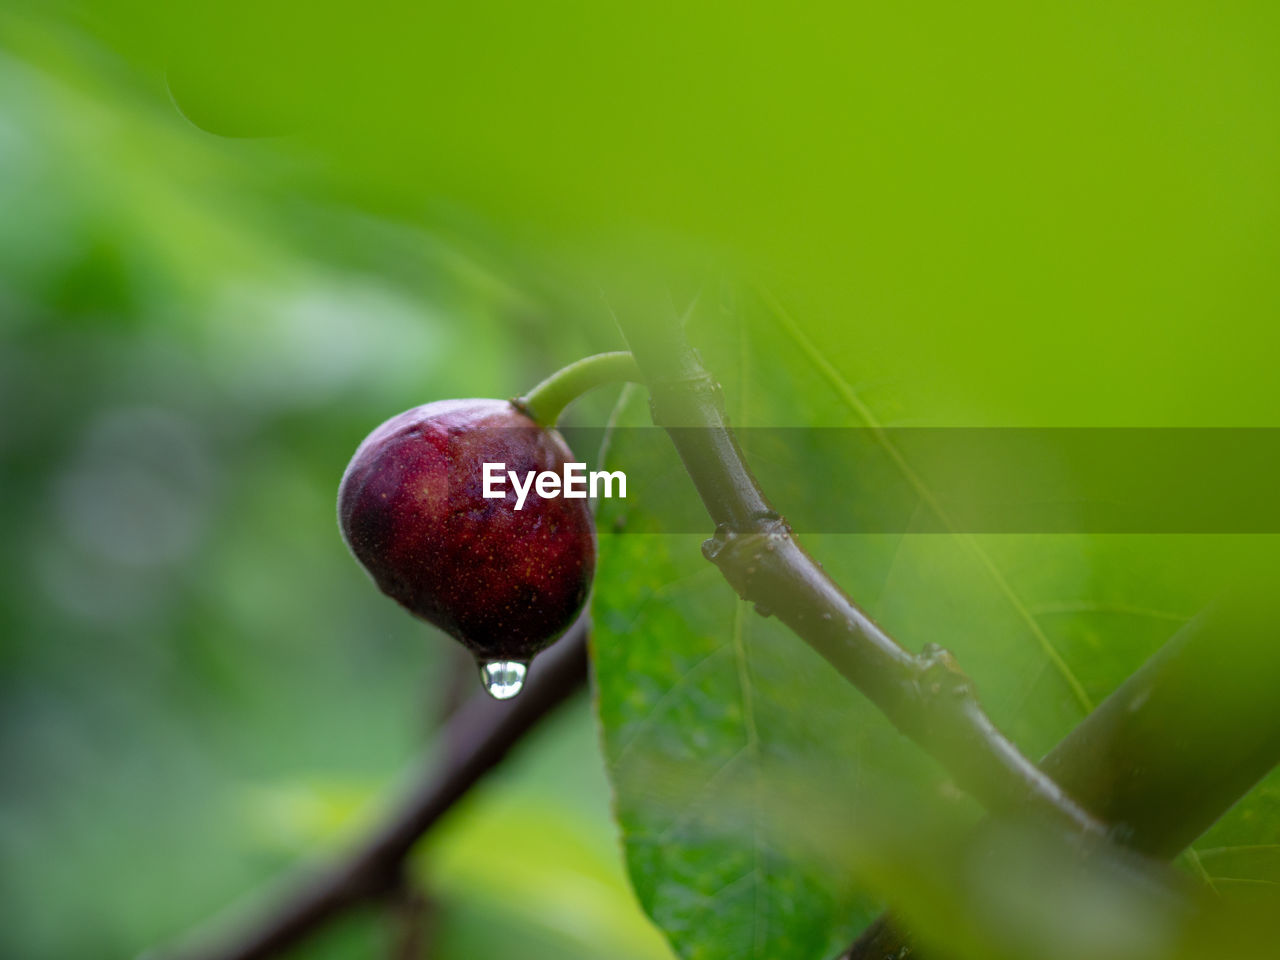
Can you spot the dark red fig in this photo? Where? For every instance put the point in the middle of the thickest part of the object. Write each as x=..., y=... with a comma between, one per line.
x=504, y=582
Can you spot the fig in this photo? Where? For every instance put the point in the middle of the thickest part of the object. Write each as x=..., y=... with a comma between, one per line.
x=504, y=582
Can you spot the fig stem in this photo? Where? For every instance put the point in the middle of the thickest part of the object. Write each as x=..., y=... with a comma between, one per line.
x=545, y=402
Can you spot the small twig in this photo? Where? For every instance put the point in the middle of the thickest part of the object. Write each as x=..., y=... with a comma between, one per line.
x=928, y=697
x=477, y=737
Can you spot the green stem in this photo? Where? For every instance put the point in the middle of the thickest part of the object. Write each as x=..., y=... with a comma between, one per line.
x=545, y=402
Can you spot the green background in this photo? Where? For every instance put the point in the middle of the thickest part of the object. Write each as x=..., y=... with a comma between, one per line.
x=986, y=215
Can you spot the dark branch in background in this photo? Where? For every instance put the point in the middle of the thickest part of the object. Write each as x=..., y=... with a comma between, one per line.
x=1173, y=748
x=1186, y=736
x=928, y=697
x=475, y=740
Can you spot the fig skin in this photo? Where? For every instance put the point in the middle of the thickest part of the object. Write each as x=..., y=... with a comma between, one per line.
x=505, y=583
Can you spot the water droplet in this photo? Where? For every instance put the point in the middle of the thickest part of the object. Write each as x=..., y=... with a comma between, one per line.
x=503, y=679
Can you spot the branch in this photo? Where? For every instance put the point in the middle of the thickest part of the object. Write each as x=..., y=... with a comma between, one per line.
x=927, y=697
x=1174, y=747
x=476, y=739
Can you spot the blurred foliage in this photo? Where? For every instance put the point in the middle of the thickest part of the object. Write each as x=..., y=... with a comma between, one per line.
x=1056, y=214
x=200, y=688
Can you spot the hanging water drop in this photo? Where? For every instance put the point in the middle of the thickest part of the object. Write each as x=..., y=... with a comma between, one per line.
x=503, y=679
